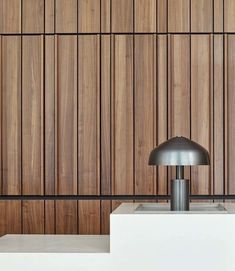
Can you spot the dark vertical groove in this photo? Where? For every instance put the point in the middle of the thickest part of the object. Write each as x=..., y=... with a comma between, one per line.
x=44, y=116
x=133, y=37
x=77, y=126
x=1, y=78
x=100, y=116
x=21, y=126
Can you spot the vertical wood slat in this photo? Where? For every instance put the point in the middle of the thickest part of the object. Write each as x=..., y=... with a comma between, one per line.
x=178, y=16
x=66, y=217
x=200, y=106
x=33, y=16
x=179, y=90
x=105, y=16
x=32, y=115
x=201, y=15
x=50, y=16
x=145, y=120
x=49, y=212
x=145, y=15
x=66, y=16
x=66, y=115
x=162, y=106
x=122, y=115
x=162, y=15
x=105, y=216
x=89, y=217
x=230, y=127
x=88, y=16
x=229, y=15
x=218, y=116
x=1, y=115
x=105, y=118
x=122, y=16
x=11, y=115
x=10, y=16
x=49, y=150
x=33, y=216
x=10, y=217
x=89, y=114
x=218, y=15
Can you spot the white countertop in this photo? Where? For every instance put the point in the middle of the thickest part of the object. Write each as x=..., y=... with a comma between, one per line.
x=34, y=243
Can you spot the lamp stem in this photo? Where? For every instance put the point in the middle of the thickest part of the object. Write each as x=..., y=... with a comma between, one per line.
x=179, y=172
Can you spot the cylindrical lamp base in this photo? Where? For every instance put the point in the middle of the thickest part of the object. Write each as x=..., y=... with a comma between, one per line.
x=179, y=195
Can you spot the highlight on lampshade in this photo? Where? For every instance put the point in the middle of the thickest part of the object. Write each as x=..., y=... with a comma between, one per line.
x=179, y=151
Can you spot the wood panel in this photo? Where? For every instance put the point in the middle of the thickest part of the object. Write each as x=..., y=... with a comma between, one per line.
x=33, y=16
x=105, y=216
x=179, y=90
x=49, y=86
x=122, y=115
x=50, y=16
x=162, y=13
x=200, y=106
x=145, y=15
x=89, y=16
x=229, y=15
x=105, y=19
x=66, y=114
x=145, y=97
x=32, y=115
x=11, y=115
x=66, y=16
x=66, y=217
x=89, y=217
x=162, y=114
x=230, y=114
x=178, y=16
x=122, y=15
x=49, y=212
x=33, y=217
x=10, y=217
x=218, y=15
x=105, y=118
x=201, y=15
x=89, y=114
x=218, y=116
x=10, y=16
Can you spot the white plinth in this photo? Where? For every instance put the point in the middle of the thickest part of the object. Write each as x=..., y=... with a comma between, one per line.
x=154, y=241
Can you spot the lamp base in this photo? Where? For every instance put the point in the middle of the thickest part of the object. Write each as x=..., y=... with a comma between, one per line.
x=179, y=195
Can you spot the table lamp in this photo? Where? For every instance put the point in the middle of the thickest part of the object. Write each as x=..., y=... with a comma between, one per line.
x=179, y=152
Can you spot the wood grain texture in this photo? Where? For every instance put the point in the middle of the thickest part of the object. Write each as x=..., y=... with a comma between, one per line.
x=33, y=16
x=230, y=114
x=145, y=15
x=145, y=97
x=105, y=216
x=122, y=115
x=49, y=151
x=178, y=16
x=0, y=114
x=11, y=115
x=200, y=106
x=88, y=16
x=66, y=115
x=89, y=115
x=50, y=16
x=218, y=116
x=162, y=114
x=66, y=217
x=162, y=16
x=89, y=217
x=32, y=115
x=218, y=15
x=105, y=16
x=229, y=15
x=10, y=217
x=49, y=206
x=122, y=15
x=10, y=16
x=66, y=16
x=33, y=217
x=201, y=15
x=179, y=90
x=105, y=118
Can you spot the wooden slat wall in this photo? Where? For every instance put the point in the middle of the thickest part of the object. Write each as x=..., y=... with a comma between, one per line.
x=89, y=87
